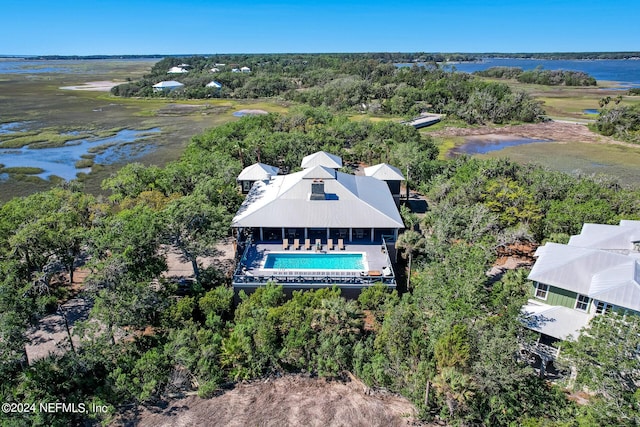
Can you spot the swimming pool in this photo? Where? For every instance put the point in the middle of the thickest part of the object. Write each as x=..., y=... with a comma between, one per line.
x=315, y=261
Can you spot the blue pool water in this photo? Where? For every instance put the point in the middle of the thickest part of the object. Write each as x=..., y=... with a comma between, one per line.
x=315, y=261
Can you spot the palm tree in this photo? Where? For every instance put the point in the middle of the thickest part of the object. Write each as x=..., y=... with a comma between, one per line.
x=456, y=387
x=411, y=241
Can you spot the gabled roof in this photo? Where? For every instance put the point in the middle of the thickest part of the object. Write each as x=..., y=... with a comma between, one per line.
x=321, y=158
x=258, y=172
x=384, y=172
x=214, y=84
x=351, y=201
x=599, y=274
x=319, y=172
x=168, y=84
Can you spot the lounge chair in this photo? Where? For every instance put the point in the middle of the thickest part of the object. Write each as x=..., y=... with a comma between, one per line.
x=285, y=244
x=341, y=244
x=307, y=244
x=318, y=244
x=296, y=244
x=330, y=244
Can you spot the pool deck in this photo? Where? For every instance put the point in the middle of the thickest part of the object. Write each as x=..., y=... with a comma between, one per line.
x=250, y=272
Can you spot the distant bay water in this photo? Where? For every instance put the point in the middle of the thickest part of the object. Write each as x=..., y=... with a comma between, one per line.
x=624, y=71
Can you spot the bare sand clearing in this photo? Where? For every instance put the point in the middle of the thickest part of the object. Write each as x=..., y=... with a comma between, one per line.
x=559, y=131
x=292, y=400
x=101, y=86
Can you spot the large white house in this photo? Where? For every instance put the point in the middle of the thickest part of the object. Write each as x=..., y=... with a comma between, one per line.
x=597, y=271
x=317, y=210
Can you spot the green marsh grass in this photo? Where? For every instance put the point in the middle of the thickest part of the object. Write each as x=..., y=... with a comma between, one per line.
x=614, y=160
x=22, y=170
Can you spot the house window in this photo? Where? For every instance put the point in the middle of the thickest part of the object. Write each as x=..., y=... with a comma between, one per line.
x=603, y=307
x=542, y=290
x=582, y=302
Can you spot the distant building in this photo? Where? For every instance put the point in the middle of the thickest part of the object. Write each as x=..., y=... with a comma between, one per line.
x=245, y=70
x=177, y=70
x=215, y=70
x=214, y=84
x=167, y=86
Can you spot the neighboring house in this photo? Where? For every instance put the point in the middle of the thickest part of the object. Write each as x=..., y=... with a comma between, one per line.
x=167, y=86
x=214, y=84
x=177, y=70
x=215, y=70
x=235, y=70
x=255, y=172
x=597, y=271
x=245, y=70
x=389, y=174
x=317, y=212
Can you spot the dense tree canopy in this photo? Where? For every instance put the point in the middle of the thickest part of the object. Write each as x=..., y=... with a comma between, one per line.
x=365, y=83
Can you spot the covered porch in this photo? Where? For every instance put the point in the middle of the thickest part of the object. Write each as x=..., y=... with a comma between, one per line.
x=348, y=235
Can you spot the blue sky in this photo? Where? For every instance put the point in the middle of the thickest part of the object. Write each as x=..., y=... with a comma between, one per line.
x=89, y=27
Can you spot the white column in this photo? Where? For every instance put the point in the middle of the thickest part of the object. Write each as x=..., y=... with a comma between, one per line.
x=395, y=234
x=261, y=234
x=305, y=233
x=350, y=234
x=328, y=230
x=284, y=236
x=372, y=235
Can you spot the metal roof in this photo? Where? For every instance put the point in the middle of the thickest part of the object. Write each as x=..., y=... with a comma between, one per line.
x=350, y=202
x=322, y=158
x=600, y=274
x=168, y=84
x=258, y=172
x=555, y=321
x=384, y=172
x=608, y=237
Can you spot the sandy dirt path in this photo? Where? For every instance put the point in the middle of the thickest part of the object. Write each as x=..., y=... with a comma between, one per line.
x=287, y=401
